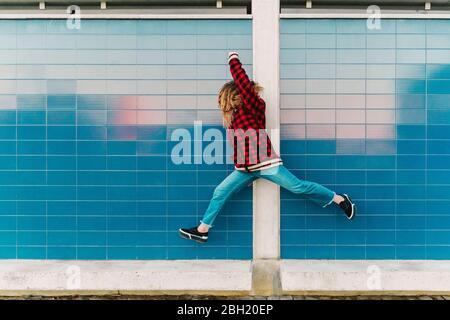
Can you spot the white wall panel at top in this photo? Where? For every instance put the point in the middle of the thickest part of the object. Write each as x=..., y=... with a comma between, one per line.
x=380, y=101
x=351, y=71
x=57, y=42
x=210, y=117
x=121, y=57
x=437, y=41
x=35, y=56
x=351, y=116
x=320, y=56
x=411, y=26
x=350, y=131
x=89, y=41
x=320, y=41
x=320, y=101
x=151, y=41
x=153, y=57
x=294, y=101
x=351, y=56
x=181, y=72
x=181, y=87
x=320, y=86
x=417, y=71
x=219, y=56
x=381, y=71
x=116, y=72
x=151, y=87
x=438, y=56
x=380, y=116
x=350, y=41
x=181, y=41
x=411, y=41
x=151, y=102
x=90, y=57
x=380, y=86
x=181, y=57
x=121, y=86
x=320, y=71
x=31, y=87
x=216, y=71
x=121, y=41
x=215, y=42
x=293, y=131
x=209, y=86
x=57, y=56
x=33, y=41
x=350, y=101
x=151, y=72
x=8, y=102
x=294, y=86
x=91, y=86
x=239, y=41
x=8, y=41
x=8, y=26
x=207, y=102
x=347, y=86
x=149, y=66
x=181, y=101
x=380, y=131
x=293, y=116
x=8, y=72
x=181, y=117
x=411, y=56
x=377, y=56
x=381, y=41
x=292, y=71
x=8, y=56
x=293, y=56
x=320, y=131
x=292, y=41
x=322, y=116
x=61, y=86
x=90, y=72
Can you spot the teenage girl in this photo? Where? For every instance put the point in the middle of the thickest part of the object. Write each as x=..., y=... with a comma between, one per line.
x=243, y=112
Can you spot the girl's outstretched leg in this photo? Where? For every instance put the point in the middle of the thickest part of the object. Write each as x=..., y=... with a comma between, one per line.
x=233, y=183
x=312, y=190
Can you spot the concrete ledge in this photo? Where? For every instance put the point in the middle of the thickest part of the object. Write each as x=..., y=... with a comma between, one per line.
x=18, y=277
x=364, y=277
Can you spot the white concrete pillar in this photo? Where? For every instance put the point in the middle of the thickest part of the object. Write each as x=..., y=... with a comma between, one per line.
x=266, y=56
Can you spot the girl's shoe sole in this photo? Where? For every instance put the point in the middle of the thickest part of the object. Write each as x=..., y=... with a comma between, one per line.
x=188, y=236
x=353, y=207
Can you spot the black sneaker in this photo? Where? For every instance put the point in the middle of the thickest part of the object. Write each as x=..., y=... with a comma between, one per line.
x=193, y=234
x=348, y=206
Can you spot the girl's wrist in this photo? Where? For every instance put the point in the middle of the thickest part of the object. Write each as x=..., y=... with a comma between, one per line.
x=232, y=55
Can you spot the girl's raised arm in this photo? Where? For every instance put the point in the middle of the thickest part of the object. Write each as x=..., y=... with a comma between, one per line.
x=245, y=87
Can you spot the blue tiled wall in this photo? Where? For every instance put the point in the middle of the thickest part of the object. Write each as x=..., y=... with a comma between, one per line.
x=367, y=112
x=86, y=116
x=85, y=122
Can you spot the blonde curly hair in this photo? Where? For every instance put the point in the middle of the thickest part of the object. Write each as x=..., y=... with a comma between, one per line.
x=230, y=101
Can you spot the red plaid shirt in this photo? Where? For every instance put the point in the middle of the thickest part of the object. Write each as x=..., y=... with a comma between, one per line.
x=247, y=133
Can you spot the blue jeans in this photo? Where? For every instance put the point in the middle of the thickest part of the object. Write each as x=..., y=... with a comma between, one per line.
x=279, y=175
